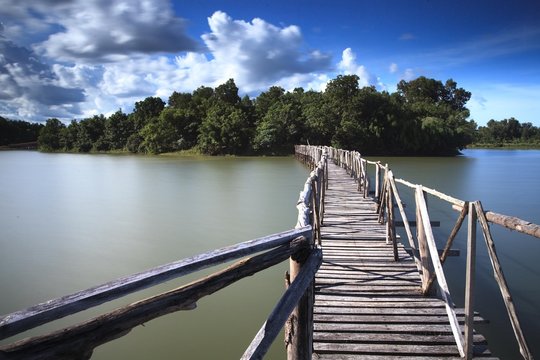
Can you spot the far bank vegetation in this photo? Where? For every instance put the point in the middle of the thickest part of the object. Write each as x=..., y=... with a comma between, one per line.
x=423, y=117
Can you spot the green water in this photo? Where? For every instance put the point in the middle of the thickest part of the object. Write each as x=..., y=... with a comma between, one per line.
x=68, y=222
x=71, y=221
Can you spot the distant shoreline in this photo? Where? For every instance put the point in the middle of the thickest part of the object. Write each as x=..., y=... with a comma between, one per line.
x=505, y=146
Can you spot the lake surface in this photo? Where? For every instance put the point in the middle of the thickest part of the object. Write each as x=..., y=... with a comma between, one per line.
x=71, y=221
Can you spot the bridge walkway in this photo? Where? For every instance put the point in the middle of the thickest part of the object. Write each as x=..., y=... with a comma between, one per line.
x=367, y=306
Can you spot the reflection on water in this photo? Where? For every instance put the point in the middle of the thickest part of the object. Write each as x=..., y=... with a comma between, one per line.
x=69, y=222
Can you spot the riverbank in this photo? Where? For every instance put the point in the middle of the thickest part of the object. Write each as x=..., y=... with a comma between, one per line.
x=505, y=146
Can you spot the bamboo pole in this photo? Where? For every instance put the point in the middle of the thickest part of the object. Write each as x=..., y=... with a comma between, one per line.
x=501, y=281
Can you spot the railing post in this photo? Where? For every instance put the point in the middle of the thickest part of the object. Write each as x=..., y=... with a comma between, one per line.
x=422, y=242
x=391, y=228
x=469, y=283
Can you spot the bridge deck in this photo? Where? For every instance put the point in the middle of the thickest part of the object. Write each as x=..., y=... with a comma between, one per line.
x=367, y=306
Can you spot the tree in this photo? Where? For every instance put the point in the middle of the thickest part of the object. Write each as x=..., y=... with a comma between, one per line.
x=281, y=128
x=49, y=136
x=440, y=111
x=118, y=129
x=174, y=129
x=266, y=99
x=227, y=92
x=224, y=130
x=146, y=110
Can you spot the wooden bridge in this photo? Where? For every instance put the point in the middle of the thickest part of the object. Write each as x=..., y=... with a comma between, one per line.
x=355, y=290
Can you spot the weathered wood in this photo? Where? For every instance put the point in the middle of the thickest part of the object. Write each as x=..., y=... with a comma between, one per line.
x=514, y=223
x=78, y=341
x=435, y=193
x=413, y=223
x=423, y=249
x=20, y=321
x=441, y=280
x=501, y=281
x=272, y=326
x=390, y=223
x=469, y=283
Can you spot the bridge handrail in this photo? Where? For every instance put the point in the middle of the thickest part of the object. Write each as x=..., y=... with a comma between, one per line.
x=19, y=321
x=386, y=193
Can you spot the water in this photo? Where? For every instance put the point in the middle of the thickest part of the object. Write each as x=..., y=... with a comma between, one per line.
x=71, y=221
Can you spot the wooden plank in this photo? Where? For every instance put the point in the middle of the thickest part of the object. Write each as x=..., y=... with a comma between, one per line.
x=366, y=304
x=400, y=319
x=389, y=357
x=402, y=349
x=389, y=338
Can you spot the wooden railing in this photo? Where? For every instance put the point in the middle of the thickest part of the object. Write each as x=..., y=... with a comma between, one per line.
x=293, y=309
x=423, y=245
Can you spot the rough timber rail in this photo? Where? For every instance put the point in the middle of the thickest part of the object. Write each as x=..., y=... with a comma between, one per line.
x=366, y=298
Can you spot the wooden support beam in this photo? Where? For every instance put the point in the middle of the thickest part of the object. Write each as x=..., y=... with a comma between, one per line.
x=501, y=281
x=470, y=283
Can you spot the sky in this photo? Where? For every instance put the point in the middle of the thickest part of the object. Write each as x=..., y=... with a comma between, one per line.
x=72, y=59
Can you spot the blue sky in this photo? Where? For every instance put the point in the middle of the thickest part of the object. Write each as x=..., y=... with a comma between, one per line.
x=75, y=58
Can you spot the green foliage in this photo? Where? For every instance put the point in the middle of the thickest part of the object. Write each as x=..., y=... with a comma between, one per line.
x=424, y=117
x=224, y=130
x=49, y=136
x=16, y=132
x=507, y=132
x=146, y=110
x=118, y=129
x=280, y=128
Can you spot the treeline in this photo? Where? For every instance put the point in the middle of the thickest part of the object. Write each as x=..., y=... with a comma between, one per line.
x=507, y=132
x=423, y=117
x=14, y=132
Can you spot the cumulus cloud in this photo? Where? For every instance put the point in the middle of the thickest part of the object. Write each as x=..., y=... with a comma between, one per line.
x=348, y=66
x=115, y=73
x=103, y=30
x=29, y=87
x=393, y=68
x=257, y=53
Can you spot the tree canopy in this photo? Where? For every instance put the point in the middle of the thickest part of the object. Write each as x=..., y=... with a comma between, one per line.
x=423, y=117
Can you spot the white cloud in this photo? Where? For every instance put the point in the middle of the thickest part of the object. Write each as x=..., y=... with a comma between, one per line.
x=258, y=53
x=255, y=53
x=348, y=66
x=30, y=88
x=101, y=30
x=393, y=68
